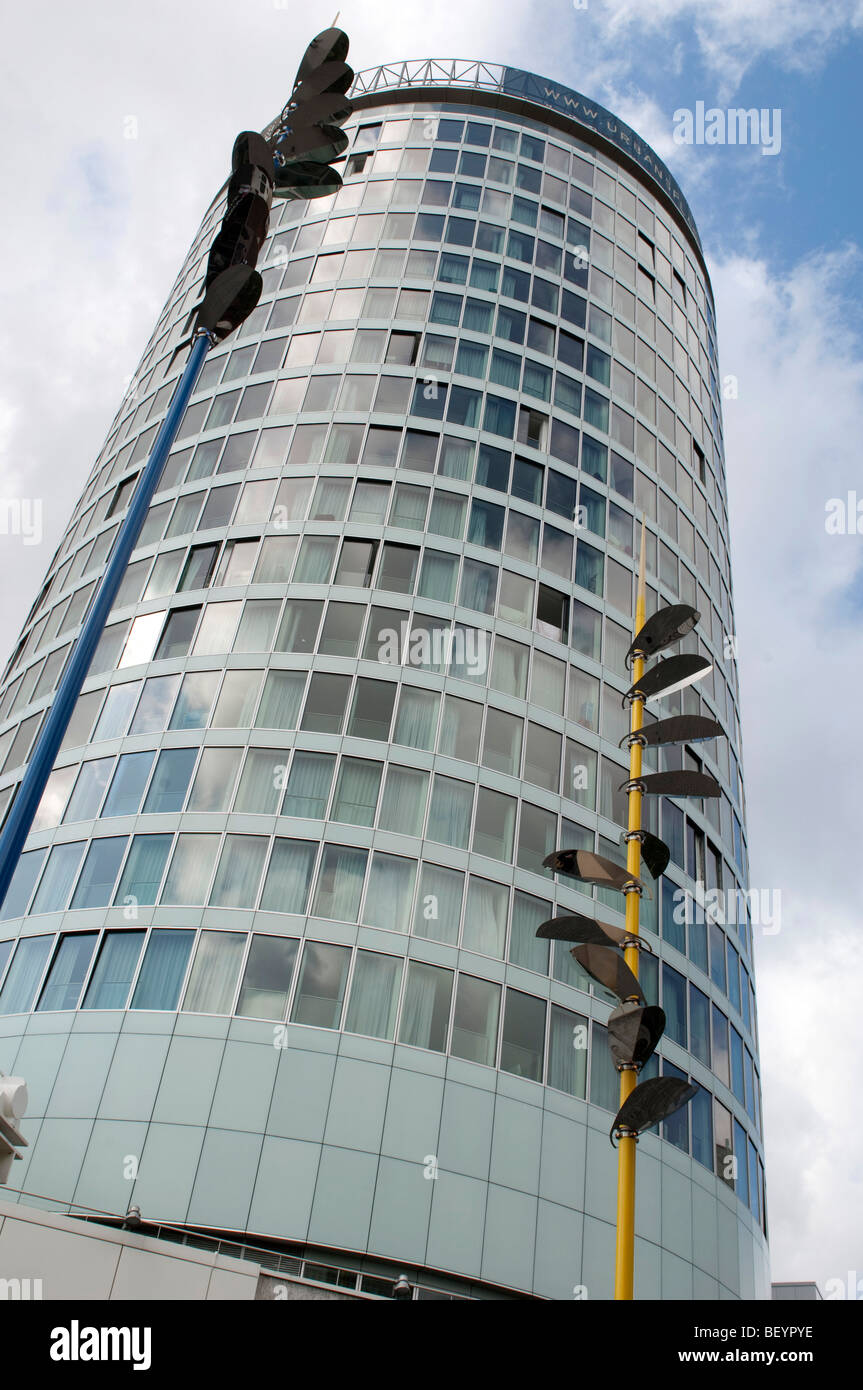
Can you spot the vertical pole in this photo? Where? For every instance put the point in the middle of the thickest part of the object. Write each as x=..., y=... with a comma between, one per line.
x=29, y=794
x=625, y=1254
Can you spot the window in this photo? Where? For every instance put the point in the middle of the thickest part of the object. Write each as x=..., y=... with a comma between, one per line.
x=567, y=1061
x=552, y=613
x=87, y=796
x=495, y=825
x=191, y=869
x=321, y=987
x=426, y=1007
x=163, y=970
x=127, y=784
x=99, y=872
x=371, y=712
x=356, y=563
x=142, y=872
x=289, y=876
x=215, y=969
x=340, y=883
x=267, y=977
x=449, y=818
x=374, y=995
x=309, y=783
x=155, y=704
x=56, y=882
x=398, y=568
x=674, y=1004
x=24, y=974
x=477, y=1007
x=214, y=781
x=179, y=630
x=357, y=790
x=404, y=801
x=195, y=700
x=115, y=968
x=485, y=917
x=69, y=968
x=325, y=703
x=523, y=1040
x=416, y=721
x=119, y=703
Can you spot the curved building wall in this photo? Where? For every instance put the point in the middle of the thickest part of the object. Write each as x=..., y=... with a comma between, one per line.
x=270, y=963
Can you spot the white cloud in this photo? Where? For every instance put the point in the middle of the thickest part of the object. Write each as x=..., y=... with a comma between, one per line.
x=792, y=443
x=734, y=34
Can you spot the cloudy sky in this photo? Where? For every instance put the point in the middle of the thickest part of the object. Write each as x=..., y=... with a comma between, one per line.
x=97, y=224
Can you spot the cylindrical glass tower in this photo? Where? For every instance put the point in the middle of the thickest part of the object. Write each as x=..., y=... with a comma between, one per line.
x=270, y=954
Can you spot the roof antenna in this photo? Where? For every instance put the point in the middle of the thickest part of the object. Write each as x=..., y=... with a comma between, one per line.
x=336, y=20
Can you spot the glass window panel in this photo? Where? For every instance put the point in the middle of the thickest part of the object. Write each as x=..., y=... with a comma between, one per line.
x=118, y=706
x=523, y=1040
x=720, y=1045
x=142, y=872
x=114, y=971
x=163, y=970
x=495, y=825
x=374, y=995
x=528, y=913
x=340, y=883
x=216, y=632
x=404, y=800
x=69, y=967
x=155, y=704
x=474, y=1034
x=450, y=812
x=509, y=667
x=308, y=786
x=195, y=699
x=280, y=701
x=460, y=729
x=86, y=798
x=191, y=869
x=260, y=783
x=537, y=838
x=426, y=1008
x=503, y=741
x=674, y=1004
x=371, y=712
x=267, y=977
x=56, y=883
x=289, y=876
x=357, y=791
x=99, y=872
x=239, y=873
x=567, y=1062
x=170, y=780
x=322, y=985
x=24, y=974
x=215, y=970
x=127, y=784
x=390, y=893
x=416, y=721
x=325, y=703
x=299, y=626
x=438, y=909
x=214, y=781
x=237, y=700
x=542, y=757
x=485, y=917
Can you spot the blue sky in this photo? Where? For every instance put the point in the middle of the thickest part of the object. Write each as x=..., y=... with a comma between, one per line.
x=102, y=222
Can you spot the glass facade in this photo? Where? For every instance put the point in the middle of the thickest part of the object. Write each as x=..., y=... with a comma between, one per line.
x=365, y=671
